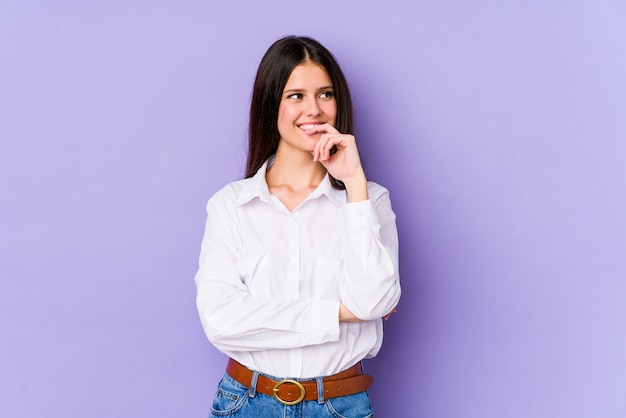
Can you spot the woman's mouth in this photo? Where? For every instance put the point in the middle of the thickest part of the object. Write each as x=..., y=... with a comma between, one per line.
x=309, y=126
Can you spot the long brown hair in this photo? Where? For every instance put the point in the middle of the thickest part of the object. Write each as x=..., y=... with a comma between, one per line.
x=274, y=70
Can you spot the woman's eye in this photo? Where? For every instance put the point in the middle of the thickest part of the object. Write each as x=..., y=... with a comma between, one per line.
x=326, y=95
x=296, y=96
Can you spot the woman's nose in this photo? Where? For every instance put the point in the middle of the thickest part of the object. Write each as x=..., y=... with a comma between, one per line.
x=313, y=107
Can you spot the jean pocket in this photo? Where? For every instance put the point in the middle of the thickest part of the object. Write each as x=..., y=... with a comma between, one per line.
x=351, y=406
x=230, y=397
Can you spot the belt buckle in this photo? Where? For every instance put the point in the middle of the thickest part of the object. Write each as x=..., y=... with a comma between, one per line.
x=293, y=382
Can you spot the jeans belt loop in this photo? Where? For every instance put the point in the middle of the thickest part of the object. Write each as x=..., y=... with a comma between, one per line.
x=320, y=390
x=252, y=388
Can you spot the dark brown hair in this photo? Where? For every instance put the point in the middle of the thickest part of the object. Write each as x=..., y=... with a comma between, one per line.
x=274, y=70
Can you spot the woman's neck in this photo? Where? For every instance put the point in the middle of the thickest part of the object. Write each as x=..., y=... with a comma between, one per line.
x=293, y=177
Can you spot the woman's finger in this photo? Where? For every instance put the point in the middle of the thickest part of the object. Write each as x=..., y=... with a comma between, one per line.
x=322, y=128
x=326, y=144
x=386, y=317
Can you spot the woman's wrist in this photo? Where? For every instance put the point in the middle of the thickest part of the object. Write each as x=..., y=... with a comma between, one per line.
x=356, y=188
x=346, y=315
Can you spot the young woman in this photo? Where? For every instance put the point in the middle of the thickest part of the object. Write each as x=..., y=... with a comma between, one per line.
x=299, y=261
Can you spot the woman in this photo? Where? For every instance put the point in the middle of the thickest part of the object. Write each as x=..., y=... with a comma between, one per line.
x=299, y=261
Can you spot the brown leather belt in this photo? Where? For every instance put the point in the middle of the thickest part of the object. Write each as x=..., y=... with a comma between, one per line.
x=291, y=392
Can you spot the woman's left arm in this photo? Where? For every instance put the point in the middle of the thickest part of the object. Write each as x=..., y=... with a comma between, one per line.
x=371, y=286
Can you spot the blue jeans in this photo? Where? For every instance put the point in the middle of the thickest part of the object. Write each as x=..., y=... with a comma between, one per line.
x=237, y=401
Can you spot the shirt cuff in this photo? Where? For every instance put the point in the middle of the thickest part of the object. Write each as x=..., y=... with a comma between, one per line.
x=325, y=319
x=360, y=214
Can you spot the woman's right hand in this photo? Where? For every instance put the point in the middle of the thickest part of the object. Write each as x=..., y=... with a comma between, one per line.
x=346, y=315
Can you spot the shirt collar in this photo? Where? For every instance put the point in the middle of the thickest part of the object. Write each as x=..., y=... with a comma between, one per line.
x=257, y=187
x=337, y=196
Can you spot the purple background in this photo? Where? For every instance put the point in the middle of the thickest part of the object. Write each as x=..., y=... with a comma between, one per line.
x=499, y=128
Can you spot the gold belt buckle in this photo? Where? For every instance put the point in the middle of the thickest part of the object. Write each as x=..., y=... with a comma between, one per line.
x=293, y=382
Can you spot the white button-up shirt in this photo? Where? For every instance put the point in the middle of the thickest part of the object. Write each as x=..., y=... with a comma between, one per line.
x=270, y=280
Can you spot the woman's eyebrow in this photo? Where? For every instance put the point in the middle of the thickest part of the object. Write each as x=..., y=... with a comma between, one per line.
x=301, y=90
x=293, y=91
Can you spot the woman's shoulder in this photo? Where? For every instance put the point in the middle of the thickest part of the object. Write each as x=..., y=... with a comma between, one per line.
x=229, y=194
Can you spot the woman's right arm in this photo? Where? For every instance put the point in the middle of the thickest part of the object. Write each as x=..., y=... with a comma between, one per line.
x=235, y=320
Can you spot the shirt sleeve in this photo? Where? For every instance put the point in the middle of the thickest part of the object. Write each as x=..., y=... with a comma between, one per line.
x=232, y=318
x=371, y=284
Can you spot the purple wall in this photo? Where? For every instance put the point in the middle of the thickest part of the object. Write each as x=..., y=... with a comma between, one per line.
x=499, y=128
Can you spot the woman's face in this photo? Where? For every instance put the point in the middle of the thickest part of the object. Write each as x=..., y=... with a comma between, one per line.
x=308, y=99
